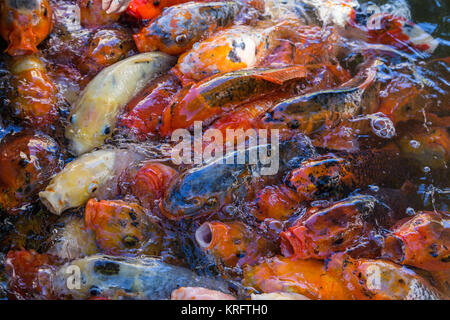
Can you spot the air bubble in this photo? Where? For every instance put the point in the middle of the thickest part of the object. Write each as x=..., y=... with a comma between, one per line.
x=415, y=144
x=410, y=211
x=381, y=125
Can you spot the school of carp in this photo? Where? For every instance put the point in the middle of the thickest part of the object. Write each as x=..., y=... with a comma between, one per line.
x=92, y=92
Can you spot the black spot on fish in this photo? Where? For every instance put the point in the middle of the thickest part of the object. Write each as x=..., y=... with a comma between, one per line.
x=108, y=268
x=156, y=3
x=132, y=215
x=23, y=162
x=130, y=241
x=233, y=56
x=94, y=291
x=293, y=124
x=434, y=250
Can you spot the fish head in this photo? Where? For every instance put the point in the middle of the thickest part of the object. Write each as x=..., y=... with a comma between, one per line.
x=117, y=225
x=88, y=128
x=227, y=241
x=24, y=24
x=201, y=191
x=151, y=181
x=170, y=33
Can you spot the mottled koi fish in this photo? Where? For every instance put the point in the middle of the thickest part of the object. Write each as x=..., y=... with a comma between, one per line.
x=179, y=27
x=24, y=24
x=213, y=96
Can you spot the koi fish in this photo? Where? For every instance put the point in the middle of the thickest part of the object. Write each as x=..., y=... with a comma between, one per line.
x=276, y=202
x=93, y=116
x=379, y=279
x=231, y=243
x=212, y=97
x=121, y=227
x=142, y=116
x=316, y=234
x=278, y=296
x=235, y=48
x=180, y=26
x=206, y=189
x=343, y=278
x=27, y=162
x=137, y=278
x=23, y=268
x=92, y=174
x=422, y=241
x=151, y=181
x=305, y=277
x=336, y=175
x=71, y=240
x=92, y=14
x=313, y=111
x=105, y=47
x=24, y=24
x=34, y=97
x=431, y=147
x=374, y=27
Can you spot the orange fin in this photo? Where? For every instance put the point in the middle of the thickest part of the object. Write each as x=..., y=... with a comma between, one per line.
x=280, y=76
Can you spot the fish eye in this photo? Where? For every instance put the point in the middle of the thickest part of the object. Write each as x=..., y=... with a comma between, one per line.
x=73, y=118
x=107, y=130
x=45, y=11
x=156, y=3
x=211, y=202
x=94, y=291
x=92, y=188
x=130, y=241
x=181, y=39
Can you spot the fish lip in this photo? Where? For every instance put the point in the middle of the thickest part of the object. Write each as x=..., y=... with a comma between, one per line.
x=51, y=202
x=204, y=236
x=291, y=244
x=77, y=148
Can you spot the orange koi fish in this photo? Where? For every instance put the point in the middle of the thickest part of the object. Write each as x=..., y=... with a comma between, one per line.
x=122, y=227
x=422, y=241
x=34, y=99
x=24, y=24
x=231, y=243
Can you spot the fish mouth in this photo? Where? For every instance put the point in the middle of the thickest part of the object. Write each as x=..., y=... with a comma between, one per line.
x=204, y=235
x=52, y=201
x=290, y=244
x=78, y=148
